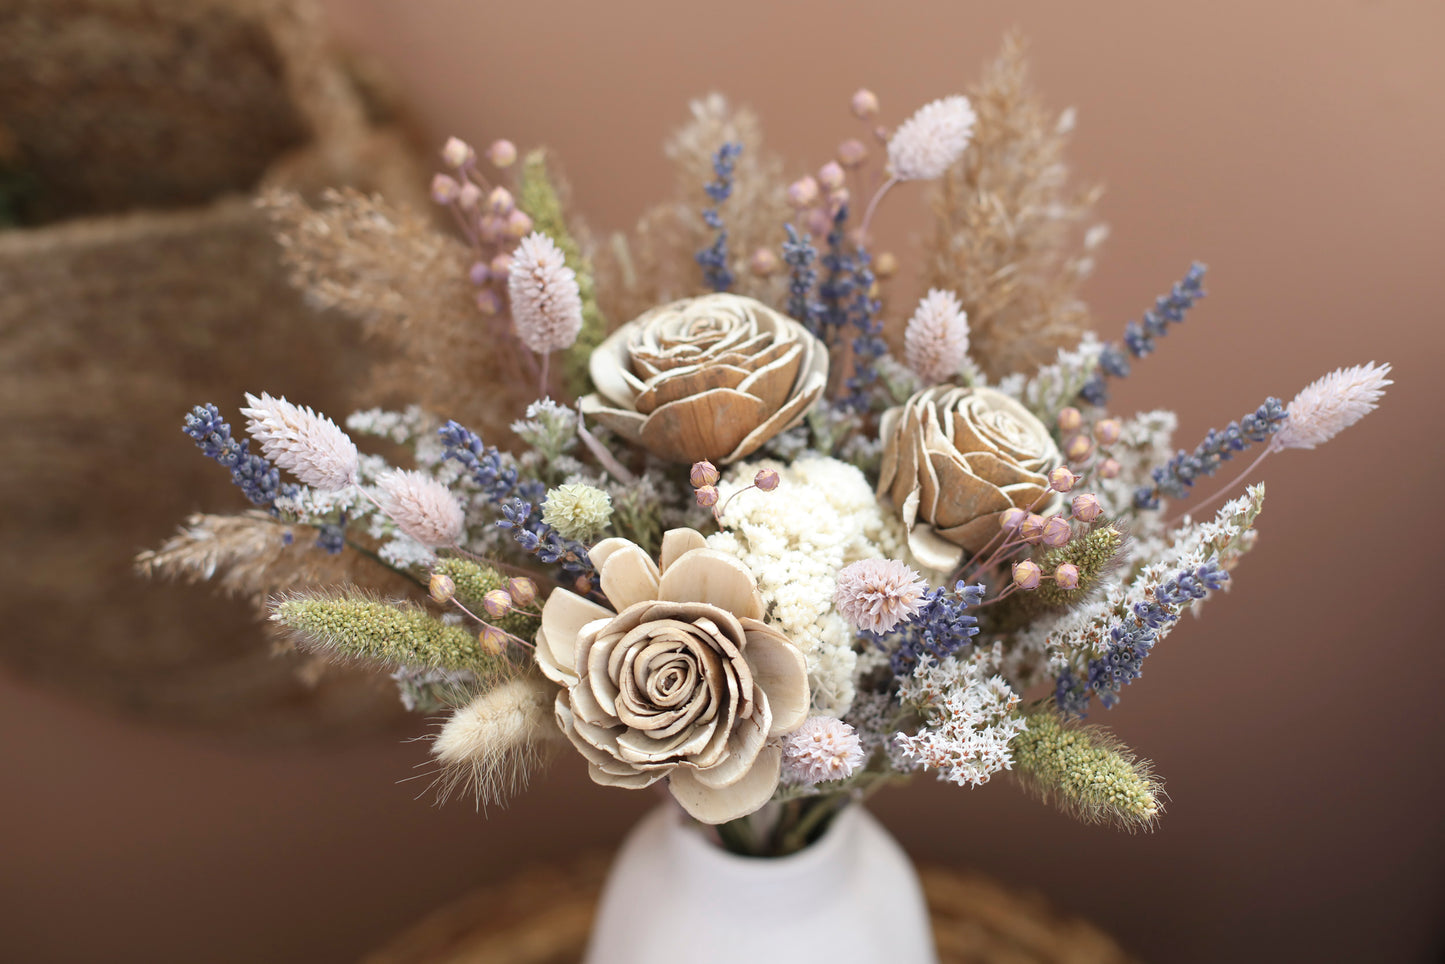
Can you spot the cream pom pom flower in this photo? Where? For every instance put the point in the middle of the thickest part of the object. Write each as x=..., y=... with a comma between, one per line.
x=928, y=143
x=682, y=680
x=821, y=750
x=308, y=445
x=878, y=594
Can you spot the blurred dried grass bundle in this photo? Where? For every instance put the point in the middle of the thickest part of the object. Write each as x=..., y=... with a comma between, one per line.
x=405, y=280
x=1009, y=231
x=249, y=555
x=653, y=265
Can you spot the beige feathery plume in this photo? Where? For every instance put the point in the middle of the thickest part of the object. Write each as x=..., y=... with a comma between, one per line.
x=421, y=507
x=935, y=342
x=1328, y=406
x=308, y=445
x=927, y=144
x=546, y=302
x=488, y=747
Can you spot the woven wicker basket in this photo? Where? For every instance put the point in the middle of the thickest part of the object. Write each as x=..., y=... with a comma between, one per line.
x=544, y=917
x=144, y=283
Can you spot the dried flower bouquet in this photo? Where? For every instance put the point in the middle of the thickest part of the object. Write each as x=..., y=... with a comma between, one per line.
x=734, y=546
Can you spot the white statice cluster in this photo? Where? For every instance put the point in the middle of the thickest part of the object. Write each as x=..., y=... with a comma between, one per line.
x=1055, y=386
x=971, y=714
x=399, y=427
x=795, y=539
x=1146, y=440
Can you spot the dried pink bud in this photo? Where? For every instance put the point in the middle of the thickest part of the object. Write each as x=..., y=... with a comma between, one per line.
x=456, y=152
x=852, y=153
x=707, y=496
x=444, y=190
x=1062, y=480
x=1079, y=448
x=766, y=480
x=519, y=225
x=501, y=265
x=837, y=198
x=500, y=202
x=489, y=302
x=1066, y=576
x=865, y=103
x=502, y=153
x=523, y=590
x=470, y=197
x=1107, y=431
x=885, y=265
x=1032, y=528
x=1057, y=532
x=1070, y=419
x=497, y=603
x=703, y=473
x=763, y=263
x=441, y=587
x=1027, y=574
x=490, y=229
x=830, y=176
x=818, y=222
x=803, y=192
x=1011, y=519
x=492, y=641
x=479, y=274
x=1109, y=468
x=1087, y=507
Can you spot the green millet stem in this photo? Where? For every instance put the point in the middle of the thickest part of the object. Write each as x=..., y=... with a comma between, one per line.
x=391, y=633
x=1084, y=771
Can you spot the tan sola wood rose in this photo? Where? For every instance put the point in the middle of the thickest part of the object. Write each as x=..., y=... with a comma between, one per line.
x=712, y=378
x=681, y=680
x=953, y=460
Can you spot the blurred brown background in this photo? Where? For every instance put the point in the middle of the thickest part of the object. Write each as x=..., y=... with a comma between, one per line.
x=1293, y=146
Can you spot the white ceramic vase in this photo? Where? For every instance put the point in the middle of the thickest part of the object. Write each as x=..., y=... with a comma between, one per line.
x=850, y=898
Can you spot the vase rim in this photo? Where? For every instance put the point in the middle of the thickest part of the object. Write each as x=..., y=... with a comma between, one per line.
x=831, y=846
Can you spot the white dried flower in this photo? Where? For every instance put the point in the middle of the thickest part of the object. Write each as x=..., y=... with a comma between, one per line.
x=878, y=594
x=577, y=511
x=488, y=746
x=927, y=144
x=546, y=302
x=970, y=719
x=821, y=750
x=936, y=340
x=1327, y=407
x=309, y=446
x=421, y=507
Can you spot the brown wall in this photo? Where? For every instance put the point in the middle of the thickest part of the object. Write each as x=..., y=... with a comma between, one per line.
x=1294, y=146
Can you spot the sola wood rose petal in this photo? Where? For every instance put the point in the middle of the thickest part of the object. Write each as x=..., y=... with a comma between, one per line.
x=954, y=459
x=684, y=680
x=706, y=378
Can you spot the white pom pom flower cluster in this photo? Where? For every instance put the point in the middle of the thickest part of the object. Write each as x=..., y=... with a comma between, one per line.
x=821, y=750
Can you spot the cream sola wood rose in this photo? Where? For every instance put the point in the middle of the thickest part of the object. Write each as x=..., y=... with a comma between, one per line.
x=954, y=459
x=710, y=378
x=681, y=680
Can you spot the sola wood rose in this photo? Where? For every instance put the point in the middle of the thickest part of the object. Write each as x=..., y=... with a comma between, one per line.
x=706, y=378
x=683, y=681
x=954, y=460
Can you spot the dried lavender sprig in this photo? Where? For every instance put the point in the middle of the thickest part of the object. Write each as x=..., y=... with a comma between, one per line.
x=488, y=467
x=941, y=628
x=868, y=344
x=714, y=258
x=1218, y=447
x=800, y=255
x=254, y=475
x=836, y=289
x=543, y=541
x=1123, y=658
x=1139, y=336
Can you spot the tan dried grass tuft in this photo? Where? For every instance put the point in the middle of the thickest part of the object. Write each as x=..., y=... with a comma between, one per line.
x=247, y=555
x=654, y=263
x=1008, y=228
x=406, y=281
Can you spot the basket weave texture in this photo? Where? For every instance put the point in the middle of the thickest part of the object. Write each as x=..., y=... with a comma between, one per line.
x=145, y=282
x=544, y=916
